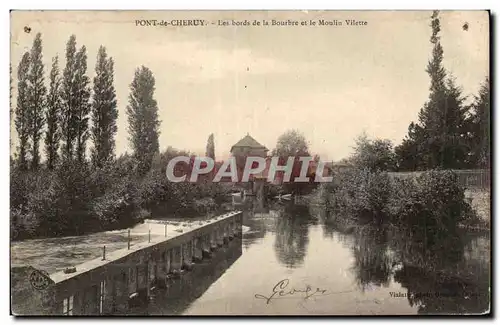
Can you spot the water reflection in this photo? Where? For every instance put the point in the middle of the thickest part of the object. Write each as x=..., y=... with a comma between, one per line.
x=373, y=261
x=258, y=219
x=440, y=275
x=460, y=284
x=292, y=234
x=180, y=293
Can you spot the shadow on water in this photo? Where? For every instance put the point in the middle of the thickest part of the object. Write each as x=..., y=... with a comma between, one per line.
x=180, y=293
x=449, y=274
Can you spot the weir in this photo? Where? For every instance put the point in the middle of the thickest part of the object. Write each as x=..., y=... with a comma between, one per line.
x=124, y=278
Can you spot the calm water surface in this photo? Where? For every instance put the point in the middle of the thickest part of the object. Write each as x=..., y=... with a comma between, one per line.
x=321, y=269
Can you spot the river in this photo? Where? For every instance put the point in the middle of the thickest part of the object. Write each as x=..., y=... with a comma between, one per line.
x=293, y=261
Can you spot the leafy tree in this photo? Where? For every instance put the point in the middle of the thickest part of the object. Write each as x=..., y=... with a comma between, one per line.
x=373, y=155
x=53, y=116
x=480, y=127
x=36, y=92
x=292, y=143
x=143, y=120
x=104, y=111
x=22, y=111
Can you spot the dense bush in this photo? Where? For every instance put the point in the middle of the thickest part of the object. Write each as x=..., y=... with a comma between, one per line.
x=79, y=198
x=33, y=202
x=434, y=201
x=360, y=194
x=373, y=154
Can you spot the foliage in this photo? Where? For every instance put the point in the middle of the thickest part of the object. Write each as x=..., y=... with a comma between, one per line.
x=116, y=208
x=142, y=112
x=68, y=95
x=408, y=152
x=37, y=92
x=434, y=202
x=82, y=111
x=373, y=155
x=439, y=139
x=75, y=96
x=361, y=194
x=22, y=112
x=72, y=196
x=290, y=144
x=480, y=127
x=210, y=152
x=104, y=110
x=75, y=198
x=53, y=116
x=429, y=205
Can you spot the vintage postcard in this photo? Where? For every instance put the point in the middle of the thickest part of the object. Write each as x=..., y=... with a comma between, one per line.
x=250, y=163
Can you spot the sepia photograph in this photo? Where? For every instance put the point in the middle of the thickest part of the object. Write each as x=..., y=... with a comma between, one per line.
x=250, y=163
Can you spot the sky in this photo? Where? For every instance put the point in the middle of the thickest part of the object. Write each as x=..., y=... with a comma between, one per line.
x=331, y=83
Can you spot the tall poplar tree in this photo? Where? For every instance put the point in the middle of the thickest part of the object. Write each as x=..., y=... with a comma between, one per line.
x=210, y=152
x=53, y=116
x=22, y=111
x=144, y=124
x=11, y=110
x=82, y=107
x=104, y=111
x=10, y=89
x=76, y=105
x=68, y=96
x=36, y=92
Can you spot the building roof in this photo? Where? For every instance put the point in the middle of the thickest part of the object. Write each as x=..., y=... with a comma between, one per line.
x=248, y=142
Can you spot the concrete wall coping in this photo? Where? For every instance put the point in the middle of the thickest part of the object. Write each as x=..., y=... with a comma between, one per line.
x=113, y=256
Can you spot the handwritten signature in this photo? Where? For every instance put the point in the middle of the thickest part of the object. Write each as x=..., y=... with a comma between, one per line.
x=281, y=290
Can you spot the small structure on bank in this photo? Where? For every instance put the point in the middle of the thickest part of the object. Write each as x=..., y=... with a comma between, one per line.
x=248, y=147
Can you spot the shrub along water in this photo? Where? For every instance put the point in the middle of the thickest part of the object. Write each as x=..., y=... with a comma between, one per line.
x=359, y=194
x=434, y=202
